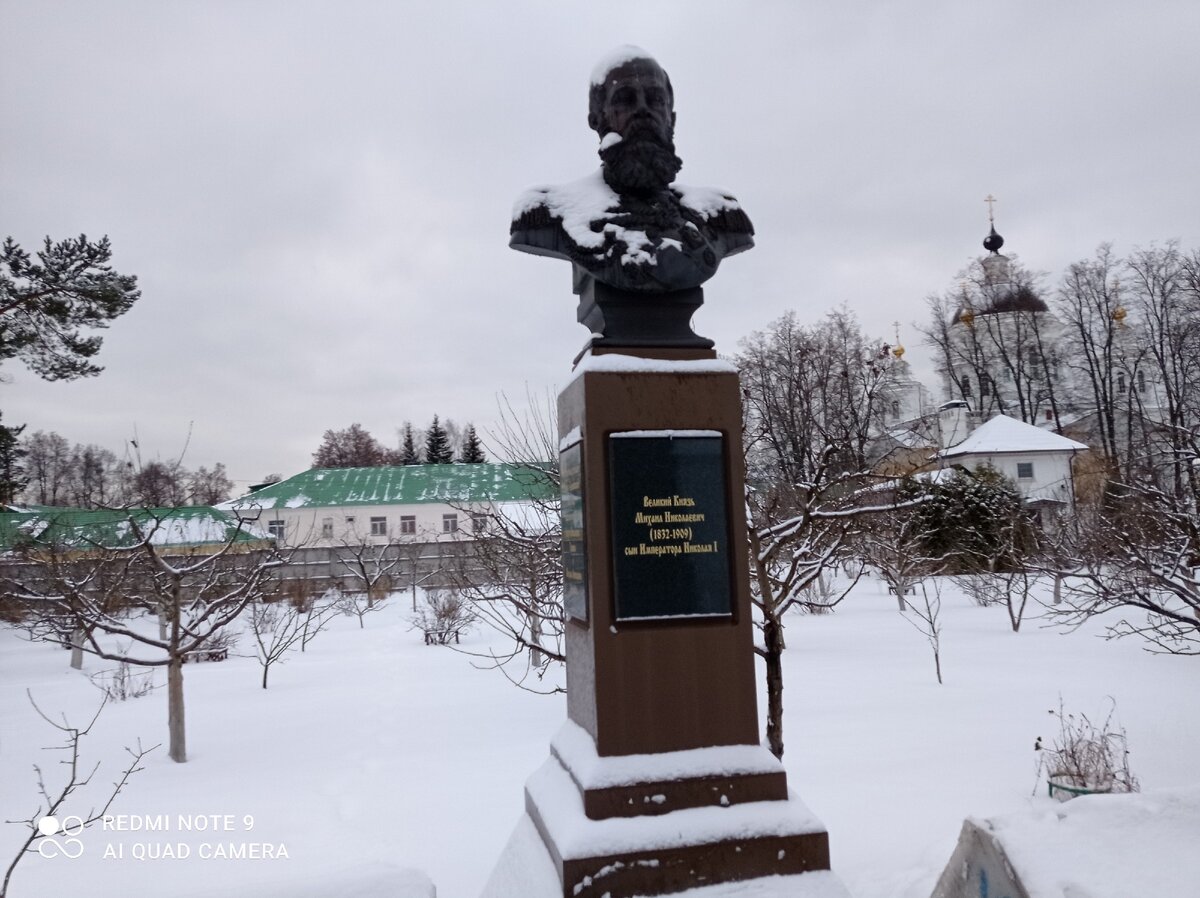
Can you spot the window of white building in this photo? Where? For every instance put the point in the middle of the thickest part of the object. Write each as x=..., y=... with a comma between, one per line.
x=378, y=526
x=1025, y=470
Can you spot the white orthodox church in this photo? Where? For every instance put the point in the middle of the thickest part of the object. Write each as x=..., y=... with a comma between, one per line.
x=1003, y=382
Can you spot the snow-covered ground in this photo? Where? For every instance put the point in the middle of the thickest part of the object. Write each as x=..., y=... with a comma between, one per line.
x=372, y=753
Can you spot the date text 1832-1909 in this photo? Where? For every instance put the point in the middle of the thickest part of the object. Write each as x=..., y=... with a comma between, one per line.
x=670, y=539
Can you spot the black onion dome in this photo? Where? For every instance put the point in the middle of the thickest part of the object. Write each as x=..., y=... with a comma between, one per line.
x=993, y=241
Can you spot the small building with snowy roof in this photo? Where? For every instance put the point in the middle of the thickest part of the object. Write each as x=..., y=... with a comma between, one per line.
x=186, y=530
x=1037, y=461
x=333, y=507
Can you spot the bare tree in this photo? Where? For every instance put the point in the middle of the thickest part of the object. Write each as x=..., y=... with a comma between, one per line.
x=97, y=586
x=924, y=614
x=893, y=541
x=207, y=487
x=160, y=485
x=1166, y=388
x=1089, y=301
x=45, y=821
x=48, y=465
x=97, y=478
x=813, y=398
x=1134, y=560
x=368, y=569
x=512, y=575
x=511, y=571
x=278, y=627
x=353, y=447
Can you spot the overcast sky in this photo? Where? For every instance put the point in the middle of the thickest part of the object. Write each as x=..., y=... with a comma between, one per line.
x=315, y=197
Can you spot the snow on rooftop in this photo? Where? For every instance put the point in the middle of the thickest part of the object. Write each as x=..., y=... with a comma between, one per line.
x=397, y=484
x=1005, y=434
x=615, y=59
x=175, y=531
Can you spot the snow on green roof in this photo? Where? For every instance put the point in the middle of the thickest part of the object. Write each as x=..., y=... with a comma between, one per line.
x=193, y=525
x=401, y=485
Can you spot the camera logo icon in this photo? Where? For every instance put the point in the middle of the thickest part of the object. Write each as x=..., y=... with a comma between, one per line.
x=66, y=845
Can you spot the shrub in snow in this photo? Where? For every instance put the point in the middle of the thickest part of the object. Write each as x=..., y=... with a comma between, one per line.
x=1085, y=757
x=444, y=617
x=974, y=522
x=122, y=683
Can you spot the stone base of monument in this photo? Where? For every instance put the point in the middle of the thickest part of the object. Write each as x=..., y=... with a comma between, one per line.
x=666, y=823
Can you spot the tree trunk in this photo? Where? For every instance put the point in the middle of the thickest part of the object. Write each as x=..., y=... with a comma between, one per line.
x=162, y=624
x=937, y=663
x=1058, y=590
x=536, y=656
x=266, y=667
x=77, y=649
x=773, y=643
x=178, y=742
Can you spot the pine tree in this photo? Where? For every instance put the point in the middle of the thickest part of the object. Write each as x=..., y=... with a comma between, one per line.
x=12, y=470
x=437, y=445
x=47, y=306
x=472, y=450
x=408, y=449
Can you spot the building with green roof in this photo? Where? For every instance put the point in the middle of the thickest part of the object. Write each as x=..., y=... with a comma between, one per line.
x=380, y=505
x=183, y=530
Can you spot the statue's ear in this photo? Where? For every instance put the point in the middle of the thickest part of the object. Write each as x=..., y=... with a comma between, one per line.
x=672, y=119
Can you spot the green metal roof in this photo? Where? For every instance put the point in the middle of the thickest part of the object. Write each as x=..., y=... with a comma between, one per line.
x=401, y=485
x=78, y=528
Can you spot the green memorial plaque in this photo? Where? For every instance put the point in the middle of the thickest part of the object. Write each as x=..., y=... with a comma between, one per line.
x=570, y=467
x=670, y=535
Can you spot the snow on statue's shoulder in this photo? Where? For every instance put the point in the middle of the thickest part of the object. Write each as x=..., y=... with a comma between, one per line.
x=707, y=202
x=577, y=204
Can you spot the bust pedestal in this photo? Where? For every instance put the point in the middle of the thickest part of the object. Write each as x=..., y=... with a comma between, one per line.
x=658, y=782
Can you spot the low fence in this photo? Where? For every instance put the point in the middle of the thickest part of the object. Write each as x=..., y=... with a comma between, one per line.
x=397, y=566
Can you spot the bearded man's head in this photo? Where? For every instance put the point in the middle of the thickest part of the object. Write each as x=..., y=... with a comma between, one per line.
x=634, y=100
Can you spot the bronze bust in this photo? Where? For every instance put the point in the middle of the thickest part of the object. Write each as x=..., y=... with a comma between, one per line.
x=628, y=225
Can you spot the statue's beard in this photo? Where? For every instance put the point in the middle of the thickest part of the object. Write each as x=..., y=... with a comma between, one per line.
x=643, y=162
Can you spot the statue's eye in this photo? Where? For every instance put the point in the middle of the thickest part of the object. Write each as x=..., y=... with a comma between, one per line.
x=623, y=96
x=656, y=97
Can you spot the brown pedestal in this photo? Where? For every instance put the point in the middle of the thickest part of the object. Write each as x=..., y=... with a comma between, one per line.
x=658, y=782
x=640, y=686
